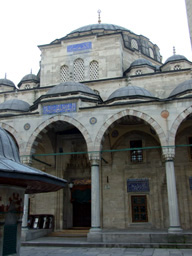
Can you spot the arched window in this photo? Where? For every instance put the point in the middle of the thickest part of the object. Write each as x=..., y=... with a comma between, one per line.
x=64, y=73
x=78, y=66
x=151, y=53
x=94, y=70
x=134, y=44
x=138, y=72
x=27, y=86
x=177, y=67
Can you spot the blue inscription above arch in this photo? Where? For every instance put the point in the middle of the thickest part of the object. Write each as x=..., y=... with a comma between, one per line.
x=79, y=47
x=60, y=108
x=138, y=185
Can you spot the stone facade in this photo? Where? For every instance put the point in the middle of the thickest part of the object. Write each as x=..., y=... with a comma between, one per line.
x=75, y=129
x=189, y=16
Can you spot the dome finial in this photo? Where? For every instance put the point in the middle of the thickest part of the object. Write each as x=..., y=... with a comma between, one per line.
x=99, y=17
x=5, y=75
x=174, y=51
x=31, y=70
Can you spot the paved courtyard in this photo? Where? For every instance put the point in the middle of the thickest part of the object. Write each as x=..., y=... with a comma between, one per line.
x=82, y=251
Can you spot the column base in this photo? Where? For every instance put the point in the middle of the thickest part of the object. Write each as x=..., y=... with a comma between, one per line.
x=175, y=230
x=94, y=235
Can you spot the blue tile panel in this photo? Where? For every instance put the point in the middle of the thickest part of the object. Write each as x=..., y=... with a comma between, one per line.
x=138, y=185
x=79, y=47
x=60, y=108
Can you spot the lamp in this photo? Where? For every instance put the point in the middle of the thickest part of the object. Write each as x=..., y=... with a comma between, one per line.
x=70, y=184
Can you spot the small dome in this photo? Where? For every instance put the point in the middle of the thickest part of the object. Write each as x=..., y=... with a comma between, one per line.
x=15, y=105
x=29, y=78
x=176, y=57
x=7, y=82
x=182, y=88
x=130, y=91
x=70, y=87
x=140, y=62
x=13, y=173
x=8, y=148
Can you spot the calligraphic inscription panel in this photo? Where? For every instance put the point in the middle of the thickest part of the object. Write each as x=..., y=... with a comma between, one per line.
x=60, y=108
x=190, y=183
x=79, y=47
x=138, y=185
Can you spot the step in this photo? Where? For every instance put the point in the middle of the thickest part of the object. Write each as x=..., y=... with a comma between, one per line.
x=70, y=233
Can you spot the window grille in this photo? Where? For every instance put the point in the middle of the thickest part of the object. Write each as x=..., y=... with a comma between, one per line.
x=94, y=70
x=27, y=86
x=136, y=154
x=78, y=70
x=138, y=72
x=177, y=67
x=134, y=44
x=64, y=73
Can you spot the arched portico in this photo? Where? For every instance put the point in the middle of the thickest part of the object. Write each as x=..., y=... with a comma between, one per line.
x=162, y=138
x=180, y=118
x=63, y=134
x=129, y=112
x=179, y=140
x=42, y=128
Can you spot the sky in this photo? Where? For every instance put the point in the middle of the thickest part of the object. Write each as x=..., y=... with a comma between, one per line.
x=25, y=24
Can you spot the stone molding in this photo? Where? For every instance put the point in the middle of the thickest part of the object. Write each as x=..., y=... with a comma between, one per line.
x=180, y=118
x=168, y=153
x=130, y=112
x=95, y=159
x=30, y=147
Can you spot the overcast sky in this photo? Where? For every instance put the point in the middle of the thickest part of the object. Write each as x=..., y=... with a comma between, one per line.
x=25, y=24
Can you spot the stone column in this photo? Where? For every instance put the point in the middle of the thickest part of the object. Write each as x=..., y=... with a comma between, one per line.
x=24, y=232
x=174, y=222
x=95, y=231
x=25, y=212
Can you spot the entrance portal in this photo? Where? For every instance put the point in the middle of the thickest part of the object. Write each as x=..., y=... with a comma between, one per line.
x=81, y=200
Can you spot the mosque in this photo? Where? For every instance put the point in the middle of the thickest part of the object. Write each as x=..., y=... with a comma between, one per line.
x=107, y=115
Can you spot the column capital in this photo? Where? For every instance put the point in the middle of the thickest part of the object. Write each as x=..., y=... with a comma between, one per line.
x=26, y=160
x=168, y=153
x=95, y=158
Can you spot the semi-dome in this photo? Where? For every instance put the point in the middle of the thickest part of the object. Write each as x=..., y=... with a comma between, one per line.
x=70, y=87
x=99, y=26
x=7, y=82
x=176, y=57
x=29, y=78
x=130, y=91
x=182, y=88
x=15, y=105
x=140, y=62
x=13, y=173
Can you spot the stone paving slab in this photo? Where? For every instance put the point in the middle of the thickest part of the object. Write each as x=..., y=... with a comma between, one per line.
x=82, y=251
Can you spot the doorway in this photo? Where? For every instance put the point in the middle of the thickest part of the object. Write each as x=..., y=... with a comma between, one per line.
x=81, y=200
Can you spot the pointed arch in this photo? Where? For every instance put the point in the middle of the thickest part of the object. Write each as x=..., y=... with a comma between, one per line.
x=159, y=131
x=30, y=148
x=180, y=118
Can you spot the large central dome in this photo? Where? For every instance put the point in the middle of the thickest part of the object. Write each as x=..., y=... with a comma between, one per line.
x=101, y=26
